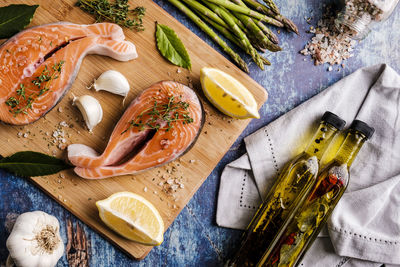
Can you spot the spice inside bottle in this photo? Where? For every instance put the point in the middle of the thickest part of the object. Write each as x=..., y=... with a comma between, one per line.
x=286, y=195
x=314, y=212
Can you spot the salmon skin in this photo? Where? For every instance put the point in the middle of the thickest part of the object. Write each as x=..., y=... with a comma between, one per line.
x=145, y=137
x=39, y=65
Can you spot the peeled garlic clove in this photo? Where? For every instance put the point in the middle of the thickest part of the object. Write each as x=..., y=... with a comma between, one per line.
x=113, y=82
x=91, y=110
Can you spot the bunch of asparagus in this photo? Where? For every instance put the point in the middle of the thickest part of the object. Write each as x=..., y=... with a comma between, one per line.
x=243, y=22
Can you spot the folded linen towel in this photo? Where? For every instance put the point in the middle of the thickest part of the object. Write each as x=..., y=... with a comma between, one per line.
x=364, y=229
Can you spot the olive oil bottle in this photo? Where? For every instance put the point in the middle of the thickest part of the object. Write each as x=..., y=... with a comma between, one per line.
x=314, y=212
x=287, y=193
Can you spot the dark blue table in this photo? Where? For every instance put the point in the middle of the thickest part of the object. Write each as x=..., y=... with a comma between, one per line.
x=194, y=239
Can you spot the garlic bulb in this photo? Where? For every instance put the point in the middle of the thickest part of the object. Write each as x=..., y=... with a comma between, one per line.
x=35, y=240
x=113, y=82
x=91, y=110
x=10, y=262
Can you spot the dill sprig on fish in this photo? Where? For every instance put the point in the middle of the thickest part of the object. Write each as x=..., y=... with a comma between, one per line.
x=170, y=113
x=117, y=12
x=22, y=103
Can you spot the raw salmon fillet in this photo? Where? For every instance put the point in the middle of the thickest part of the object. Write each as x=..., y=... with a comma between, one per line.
x=132, y=149
x=39, y=65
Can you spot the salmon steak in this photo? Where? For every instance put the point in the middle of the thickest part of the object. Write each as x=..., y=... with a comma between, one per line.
x=160, y=125
x=39, y=65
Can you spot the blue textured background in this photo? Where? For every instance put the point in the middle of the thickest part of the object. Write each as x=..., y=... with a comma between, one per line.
x=194, y=239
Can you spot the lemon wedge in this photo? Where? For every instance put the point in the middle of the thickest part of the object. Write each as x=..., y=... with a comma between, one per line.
x=228, y=94
x=133, y=217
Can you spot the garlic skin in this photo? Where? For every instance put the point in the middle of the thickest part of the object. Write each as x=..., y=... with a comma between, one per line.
x=112, y=81
x=10, y=262
x=91, y=110
x=35, y=240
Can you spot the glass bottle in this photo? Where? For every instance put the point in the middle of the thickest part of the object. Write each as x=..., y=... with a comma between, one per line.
x=314, y=212
x=357, y=16
x=289, y=190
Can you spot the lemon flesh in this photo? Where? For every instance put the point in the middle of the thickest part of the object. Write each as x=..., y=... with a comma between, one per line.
x=227, y=94
x=133, y=217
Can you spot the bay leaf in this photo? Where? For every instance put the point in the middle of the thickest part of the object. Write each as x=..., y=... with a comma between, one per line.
x=14, y=18
x=30, y=163
x=171, y=47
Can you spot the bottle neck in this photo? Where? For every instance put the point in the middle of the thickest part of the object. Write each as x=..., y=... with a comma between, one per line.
x=350, y=147
x=321, y=140
x=356, y=26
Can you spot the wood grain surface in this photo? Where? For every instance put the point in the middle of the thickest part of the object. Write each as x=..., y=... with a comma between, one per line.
x=79, y=195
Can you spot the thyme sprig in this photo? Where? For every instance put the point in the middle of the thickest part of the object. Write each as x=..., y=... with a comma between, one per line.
x=170, y=112
x=22, y=102
x=117, y=12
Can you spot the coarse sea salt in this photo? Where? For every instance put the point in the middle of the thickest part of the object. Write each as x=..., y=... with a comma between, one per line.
x=328, y=45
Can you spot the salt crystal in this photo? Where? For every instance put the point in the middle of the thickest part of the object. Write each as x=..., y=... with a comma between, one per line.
x=145, y=189
x=174, y=187
x=329, y=45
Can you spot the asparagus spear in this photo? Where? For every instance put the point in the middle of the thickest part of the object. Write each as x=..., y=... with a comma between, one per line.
x=263, y=9
x=273, y=6
x=229, y=19
x=211, y=33
x=258, y=34
x=201, y=9
x=247, y=11
x=252, y=41
x=261, y=25
x=224, y=31
x=272, y=36
x=236, y=20
x=228, y=35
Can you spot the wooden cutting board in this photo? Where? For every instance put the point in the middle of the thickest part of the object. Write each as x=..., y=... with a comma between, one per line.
x=186, y=174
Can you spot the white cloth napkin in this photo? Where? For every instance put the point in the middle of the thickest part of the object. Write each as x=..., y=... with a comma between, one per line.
x=364, y=229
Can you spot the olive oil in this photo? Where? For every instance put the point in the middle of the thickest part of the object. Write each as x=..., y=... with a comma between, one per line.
x=314, y=212
x=287, y=193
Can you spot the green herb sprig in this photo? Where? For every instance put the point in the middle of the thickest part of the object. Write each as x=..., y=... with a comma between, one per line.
x=22, y=103
x=117, y=12
x=170, y=112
